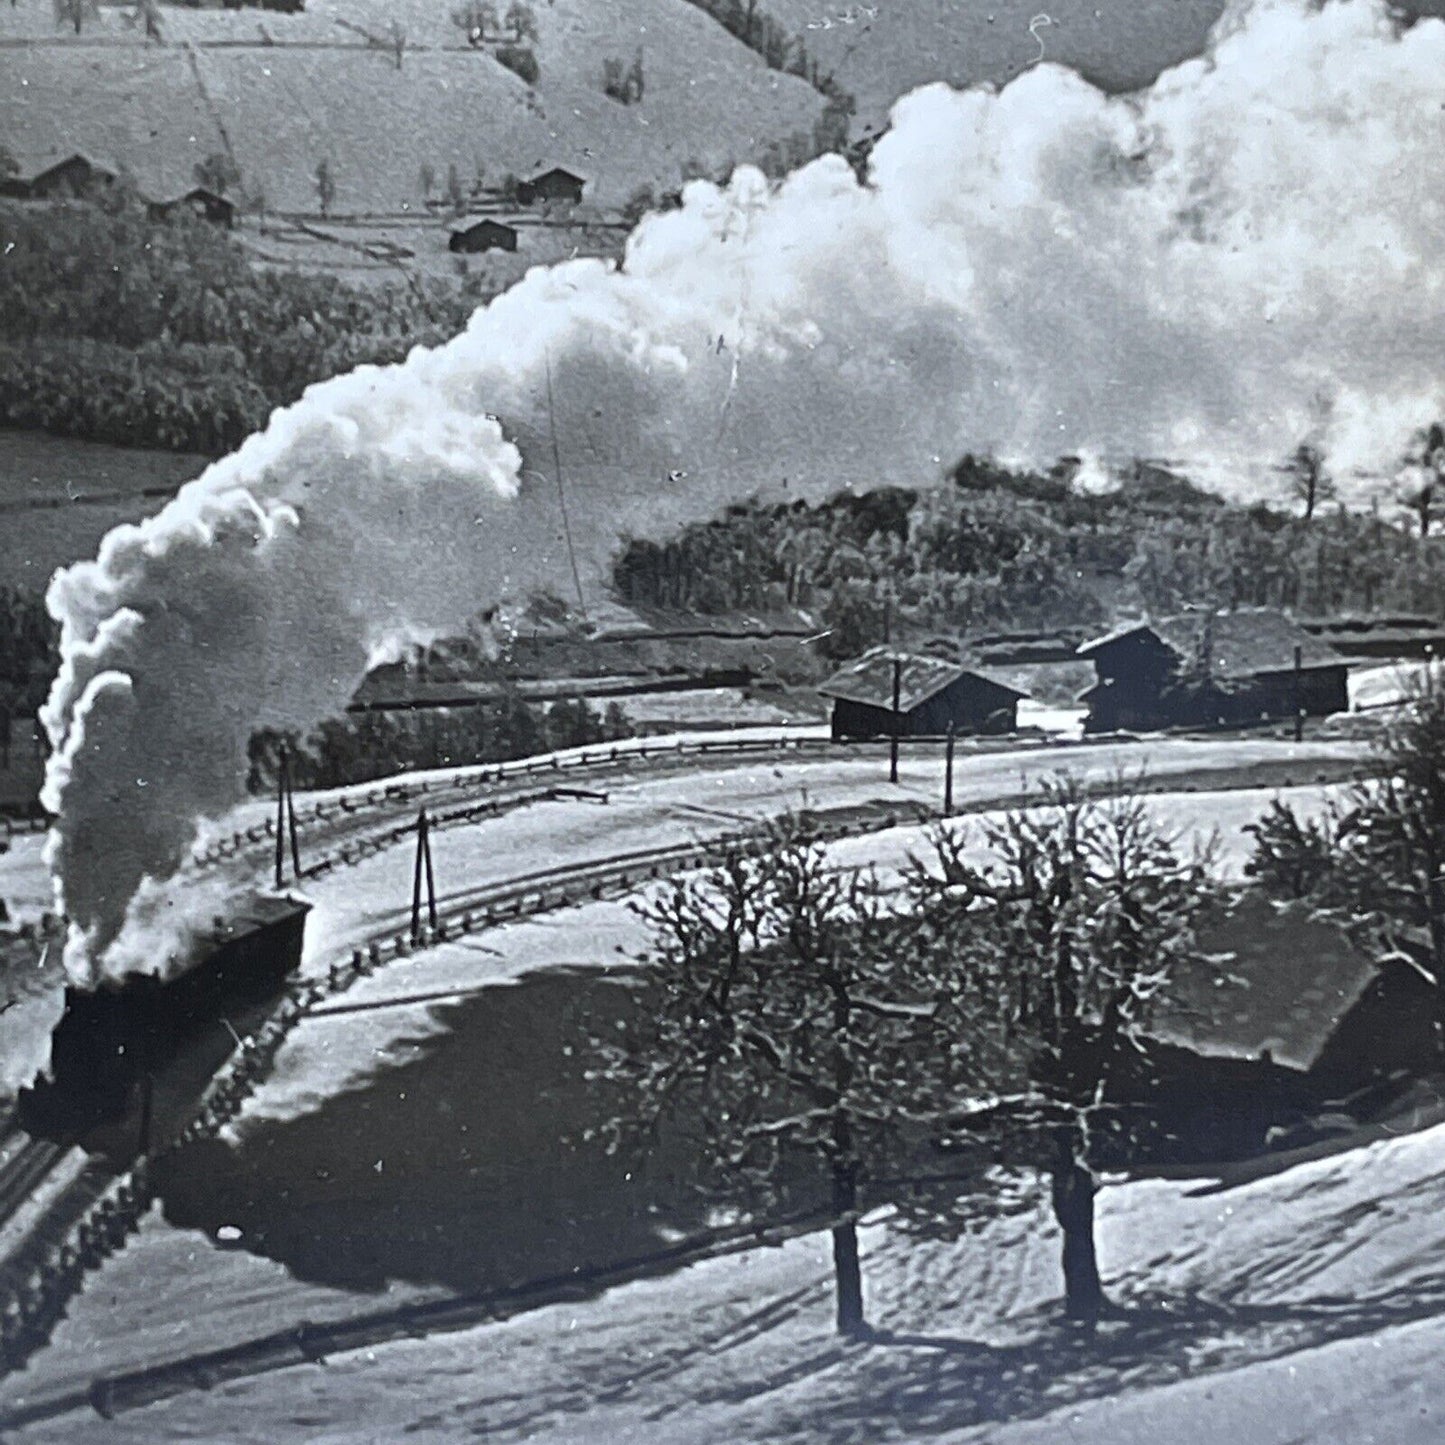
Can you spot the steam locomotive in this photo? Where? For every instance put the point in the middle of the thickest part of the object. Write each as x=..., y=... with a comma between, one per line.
x=145, y=1028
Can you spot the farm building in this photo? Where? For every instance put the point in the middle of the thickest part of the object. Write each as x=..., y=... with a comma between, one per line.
x=554, y=185
x=1277, y=1018
x=934, y=694
x=70, y=177
x=1206, y=669
x=206, y=204
x=486, y=235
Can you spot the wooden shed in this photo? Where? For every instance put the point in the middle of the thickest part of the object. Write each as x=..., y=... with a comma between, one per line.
x=1201, y=669
x=934, y=694
x=485, y=235
x=73, y=176
x=207, y=204
x=557, y=184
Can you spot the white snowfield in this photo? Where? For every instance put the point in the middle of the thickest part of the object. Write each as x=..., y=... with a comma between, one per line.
x=1305, y=1307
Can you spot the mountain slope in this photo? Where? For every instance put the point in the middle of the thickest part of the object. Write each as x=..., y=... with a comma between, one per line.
x=320, y=92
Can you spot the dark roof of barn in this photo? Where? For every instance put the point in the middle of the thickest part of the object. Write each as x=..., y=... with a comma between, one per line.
x=1270, y=977
x=556, y=171
x=38, y=170
x=485, y=224
x=197, y=193
x=1243, y=644
x=869, y=679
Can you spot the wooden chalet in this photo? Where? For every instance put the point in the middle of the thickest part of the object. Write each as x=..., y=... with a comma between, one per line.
x=552, y=186
x=207, y=204
x=74, y=176
x=934, y=694
x=484, y=235
x=1207, y=669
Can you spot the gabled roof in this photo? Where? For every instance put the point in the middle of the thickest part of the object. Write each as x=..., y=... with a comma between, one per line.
x=555, y=171
x=1271, y=977
x=196, y=193
x=484, y=223
x=37, y=172
x=869, y=679
x=1241, y=644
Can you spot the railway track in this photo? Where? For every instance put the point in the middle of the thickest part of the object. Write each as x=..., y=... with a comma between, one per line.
x=23, y=1172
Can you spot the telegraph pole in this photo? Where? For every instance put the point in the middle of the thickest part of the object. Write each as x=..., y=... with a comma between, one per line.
x=948, y=772
x=893, y=741
x=1299, y=712
x=422, y=869
x=286, y=819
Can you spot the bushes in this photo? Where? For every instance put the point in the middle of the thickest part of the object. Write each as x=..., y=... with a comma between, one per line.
x=365, y=746
x=520, y=60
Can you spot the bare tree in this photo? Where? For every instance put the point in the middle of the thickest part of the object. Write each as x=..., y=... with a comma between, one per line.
x=1376, y=861
x=1425, y=462
x=1310, y=481
x=456, y=196
x=427, y=179
x=325, y=186
x=781, y=1026
x=1069, y=934
x=76, y=12
x=521, y=21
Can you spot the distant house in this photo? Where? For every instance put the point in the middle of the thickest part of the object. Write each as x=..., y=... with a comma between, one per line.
x=554, y=185
x=1211, y=668
x=73, y=176
x=934, y=693
x=207, y=204
x=487, y=235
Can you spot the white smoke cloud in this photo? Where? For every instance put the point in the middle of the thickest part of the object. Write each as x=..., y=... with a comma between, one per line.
x=1036, y=271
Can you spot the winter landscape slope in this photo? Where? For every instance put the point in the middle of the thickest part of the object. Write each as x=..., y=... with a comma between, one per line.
x=290, y=91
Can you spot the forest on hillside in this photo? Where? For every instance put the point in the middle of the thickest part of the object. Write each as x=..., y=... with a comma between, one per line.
x=998, y=549
x=118, y=328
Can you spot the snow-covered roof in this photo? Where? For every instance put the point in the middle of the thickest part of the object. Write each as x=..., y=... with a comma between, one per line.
x=1241, y=644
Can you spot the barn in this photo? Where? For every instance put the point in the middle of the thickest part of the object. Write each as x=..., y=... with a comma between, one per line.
x=934, y=695
x=208, y=205
x=551, y=186
x=485, y=235
x=1209, y=669
x=1277, y=1020
x=73, y=176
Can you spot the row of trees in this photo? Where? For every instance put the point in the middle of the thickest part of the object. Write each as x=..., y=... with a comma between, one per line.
x=1018, y=550
x=825, y=1041
x=363, y=747
x=797, y=1013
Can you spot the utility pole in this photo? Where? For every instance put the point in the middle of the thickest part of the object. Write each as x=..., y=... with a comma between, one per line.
x=285, y=819
x=897, y=720
x=1299, y=712
x=948, y=772
x=423, y=866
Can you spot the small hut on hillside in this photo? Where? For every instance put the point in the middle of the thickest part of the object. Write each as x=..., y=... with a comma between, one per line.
x=484, y=235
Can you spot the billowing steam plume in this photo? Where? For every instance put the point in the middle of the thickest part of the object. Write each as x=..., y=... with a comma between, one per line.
x=1036, y=271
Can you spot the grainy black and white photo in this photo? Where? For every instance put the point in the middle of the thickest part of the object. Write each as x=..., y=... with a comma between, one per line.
x=722, y=722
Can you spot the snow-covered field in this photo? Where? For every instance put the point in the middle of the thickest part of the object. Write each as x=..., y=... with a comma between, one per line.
x=1302, y=1307
x=730, y=1349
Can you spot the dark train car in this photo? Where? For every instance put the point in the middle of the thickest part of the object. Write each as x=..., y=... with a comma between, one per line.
x=111, y=1037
